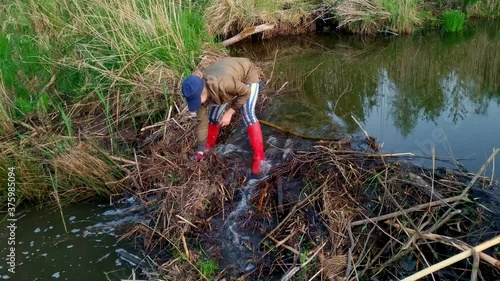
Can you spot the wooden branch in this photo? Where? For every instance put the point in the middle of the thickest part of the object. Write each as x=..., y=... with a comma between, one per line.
x=475, y=265
x=350, y=260
x=479, y=248
x=247, y=32
x=280, y=195
x=361, y=128
x=120, y=159
x=409, y=210
x=274, y=126
x=454, y=242
x=282, y=243
x=294, y=270
x=474, y=179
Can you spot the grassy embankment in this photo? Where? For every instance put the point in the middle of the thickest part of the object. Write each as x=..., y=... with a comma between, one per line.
x=80, y=78
x=357, y=16
x=78, y=81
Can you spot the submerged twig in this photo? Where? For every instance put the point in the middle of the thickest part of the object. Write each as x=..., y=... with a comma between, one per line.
x=290, y=132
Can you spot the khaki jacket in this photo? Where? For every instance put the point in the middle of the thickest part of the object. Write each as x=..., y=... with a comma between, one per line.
x=227, y=82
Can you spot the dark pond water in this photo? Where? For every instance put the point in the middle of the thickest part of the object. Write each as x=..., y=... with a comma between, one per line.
x=411, y=93
x=88, y=251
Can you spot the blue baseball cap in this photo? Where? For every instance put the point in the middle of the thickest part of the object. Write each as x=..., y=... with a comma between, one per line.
x=191, y=90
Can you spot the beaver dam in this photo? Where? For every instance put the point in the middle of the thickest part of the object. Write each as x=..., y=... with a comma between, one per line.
x=327, y=210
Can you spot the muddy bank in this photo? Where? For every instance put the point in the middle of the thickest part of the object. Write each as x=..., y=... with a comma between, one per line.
x=330, y=209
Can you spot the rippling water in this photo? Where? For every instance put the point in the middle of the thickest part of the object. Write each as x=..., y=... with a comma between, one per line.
x=411, y=93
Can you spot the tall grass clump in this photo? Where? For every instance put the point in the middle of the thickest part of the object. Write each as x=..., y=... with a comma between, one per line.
x=135, y=47
x=229, y=17
x=81, y=170
x=371, y=16
x=6, y=114
x=64, y=65
x=485, y=9
x=361, y=16
x=406, y=15
x=453, y=21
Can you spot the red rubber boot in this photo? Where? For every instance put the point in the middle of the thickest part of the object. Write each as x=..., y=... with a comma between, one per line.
x=255, y=138
x=213, y=133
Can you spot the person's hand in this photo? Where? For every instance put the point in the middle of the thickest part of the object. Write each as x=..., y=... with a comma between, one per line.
x=198, y=156
x=226, y=118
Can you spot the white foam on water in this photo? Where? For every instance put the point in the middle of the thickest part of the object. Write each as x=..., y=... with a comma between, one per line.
x=242, y=206
x=56, y=275
x=5, y=277
x=72, y=218
x=37, y=230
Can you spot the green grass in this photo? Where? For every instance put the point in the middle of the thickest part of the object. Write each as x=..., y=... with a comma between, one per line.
x=406, y=15
x=65, y=62
x=208, y=267
x=453, y=21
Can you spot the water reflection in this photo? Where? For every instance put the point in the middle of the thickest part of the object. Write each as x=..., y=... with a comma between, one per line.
x=402, y=88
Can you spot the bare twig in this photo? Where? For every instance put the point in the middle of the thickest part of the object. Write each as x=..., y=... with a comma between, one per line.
x=474, y=179
x=409, y=210
x=350, y=262
x=479, y=248
x=361, y=127
x=296, y=269
x=475, y=265
x=293, y=133
x=454, y=242
x=282, y=243
x=138, y=170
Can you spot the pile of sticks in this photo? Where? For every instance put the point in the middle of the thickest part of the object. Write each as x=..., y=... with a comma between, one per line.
x=382, y=218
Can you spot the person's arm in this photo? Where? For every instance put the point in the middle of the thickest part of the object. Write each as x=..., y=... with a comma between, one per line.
x=226, y=118
x=242, y=92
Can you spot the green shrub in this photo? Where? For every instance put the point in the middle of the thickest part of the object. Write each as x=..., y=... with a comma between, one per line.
x=453, y=21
